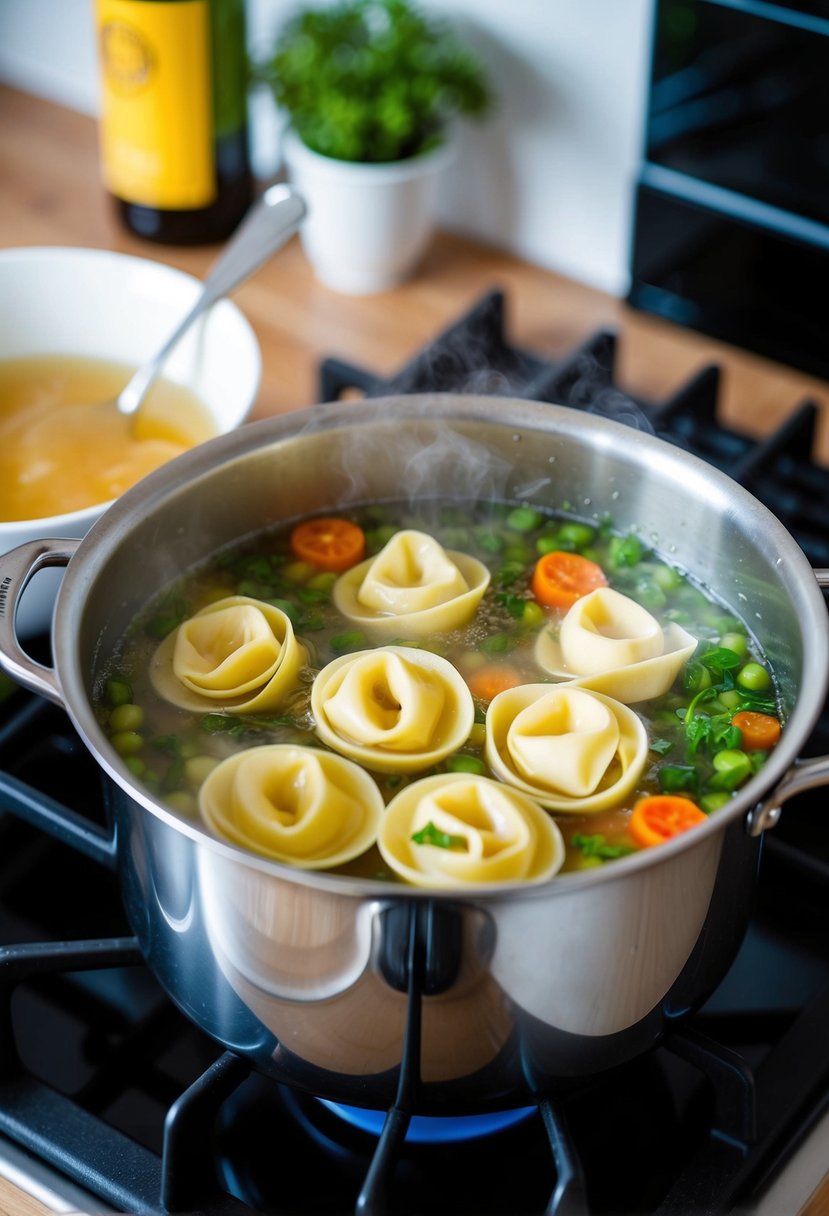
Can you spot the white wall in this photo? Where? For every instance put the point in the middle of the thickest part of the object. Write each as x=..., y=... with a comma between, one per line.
x=549, y=177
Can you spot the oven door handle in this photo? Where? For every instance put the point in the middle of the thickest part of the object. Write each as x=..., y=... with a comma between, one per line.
x=17, y=568
x=803, y=775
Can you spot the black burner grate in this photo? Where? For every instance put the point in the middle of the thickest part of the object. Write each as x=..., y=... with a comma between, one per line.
x=474, y=356
x=104, y=1080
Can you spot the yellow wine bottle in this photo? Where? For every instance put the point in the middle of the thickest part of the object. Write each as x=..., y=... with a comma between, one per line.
x=173, y=122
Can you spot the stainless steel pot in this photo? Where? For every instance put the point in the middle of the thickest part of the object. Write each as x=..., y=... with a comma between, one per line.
x=335, y=985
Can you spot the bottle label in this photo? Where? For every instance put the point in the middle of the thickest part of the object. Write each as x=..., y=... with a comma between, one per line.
x=156, y=126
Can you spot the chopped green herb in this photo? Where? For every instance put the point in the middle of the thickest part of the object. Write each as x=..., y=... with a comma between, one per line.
x=441, y=840
x=514, y=604
x=596, y=846
x=625, y=551
x=673, y=777
x=719, y=659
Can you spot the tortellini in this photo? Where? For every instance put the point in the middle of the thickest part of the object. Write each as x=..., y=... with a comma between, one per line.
x=393, y=709
x=412, y=587
x=471, y=830
x=299, y=805
x=610, y=644
x=237, y=654
x=568, y=748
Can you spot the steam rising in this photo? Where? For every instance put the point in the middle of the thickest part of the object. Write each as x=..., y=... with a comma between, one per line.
x=590, y=390
x=432, y=460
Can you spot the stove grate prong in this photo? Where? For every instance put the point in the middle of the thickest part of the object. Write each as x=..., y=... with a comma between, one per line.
x=570, y=1195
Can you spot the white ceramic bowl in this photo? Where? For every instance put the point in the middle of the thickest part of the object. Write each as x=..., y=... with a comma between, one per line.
x=97, y=304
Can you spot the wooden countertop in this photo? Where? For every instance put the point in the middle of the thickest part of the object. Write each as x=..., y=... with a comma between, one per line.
x=50, y=194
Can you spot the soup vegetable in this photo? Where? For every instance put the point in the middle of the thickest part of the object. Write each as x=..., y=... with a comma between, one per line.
x=453, y=694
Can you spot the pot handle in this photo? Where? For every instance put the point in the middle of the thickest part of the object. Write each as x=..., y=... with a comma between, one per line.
x=17, y=567
x=803, y=775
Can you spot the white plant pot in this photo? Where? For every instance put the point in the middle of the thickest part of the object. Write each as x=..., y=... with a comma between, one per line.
x=368, y=224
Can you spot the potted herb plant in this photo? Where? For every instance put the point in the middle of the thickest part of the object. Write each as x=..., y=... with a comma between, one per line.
x=370, y=89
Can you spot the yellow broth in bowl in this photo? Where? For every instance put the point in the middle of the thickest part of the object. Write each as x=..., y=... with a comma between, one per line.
x=56, y=458
x=587, y=676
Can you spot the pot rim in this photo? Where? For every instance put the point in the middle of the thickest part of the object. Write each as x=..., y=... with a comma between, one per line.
x=108, y=532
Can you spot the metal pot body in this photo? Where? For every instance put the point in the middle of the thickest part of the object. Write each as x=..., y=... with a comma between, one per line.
x=485, y=998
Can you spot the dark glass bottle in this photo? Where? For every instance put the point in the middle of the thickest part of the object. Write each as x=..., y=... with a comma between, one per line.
x=174, y=137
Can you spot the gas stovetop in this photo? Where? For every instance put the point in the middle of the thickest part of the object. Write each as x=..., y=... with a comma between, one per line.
x=104, y=1082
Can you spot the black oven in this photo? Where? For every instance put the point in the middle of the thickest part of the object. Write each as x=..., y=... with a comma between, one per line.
x=731, y=218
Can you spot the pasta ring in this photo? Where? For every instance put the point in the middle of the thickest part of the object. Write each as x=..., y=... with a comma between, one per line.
x=610, y=644
x=299, y=805
x=413, y=586
x=506, y=835
x=613, y=759
x=237, y=655
x=394, y=709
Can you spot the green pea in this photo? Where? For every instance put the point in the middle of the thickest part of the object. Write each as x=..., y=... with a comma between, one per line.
x=730, y=699
x=324, y=581
x=754, y=677
x=490, y=542
x=497, y=643
x=649, y=594
x=127, y=717
x=533, y=615
x=727, y=624
x=666, y=577
x=137, y=767
x=117, y=692
x=625, y=551
x=477, y=735
x=378, y=538
x=298, y=572
x=577, y=535
x=127, y=742
x=197, y=769
x=524, y=519
x=714, y=802
x=183, y=802
x=547, y=544
x=732, y=768
x=738, y=642
x=518, y=554
x=465, y=764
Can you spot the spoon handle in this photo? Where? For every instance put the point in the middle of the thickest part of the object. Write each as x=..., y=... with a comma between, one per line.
x=272, y=219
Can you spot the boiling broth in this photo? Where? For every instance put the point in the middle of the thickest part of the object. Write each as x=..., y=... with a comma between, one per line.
x=694, y=749
x=54, y=459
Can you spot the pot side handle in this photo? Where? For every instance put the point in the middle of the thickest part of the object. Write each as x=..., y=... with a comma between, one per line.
x=803, y=775
x=17, y=567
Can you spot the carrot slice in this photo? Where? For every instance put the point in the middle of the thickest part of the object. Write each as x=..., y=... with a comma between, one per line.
x=760, y=731
x=560, y=578
x=330, y=543
x=662, y=816
x=488, y=681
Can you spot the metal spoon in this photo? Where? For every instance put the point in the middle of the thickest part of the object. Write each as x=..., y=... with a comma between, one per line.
x=272, y=219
